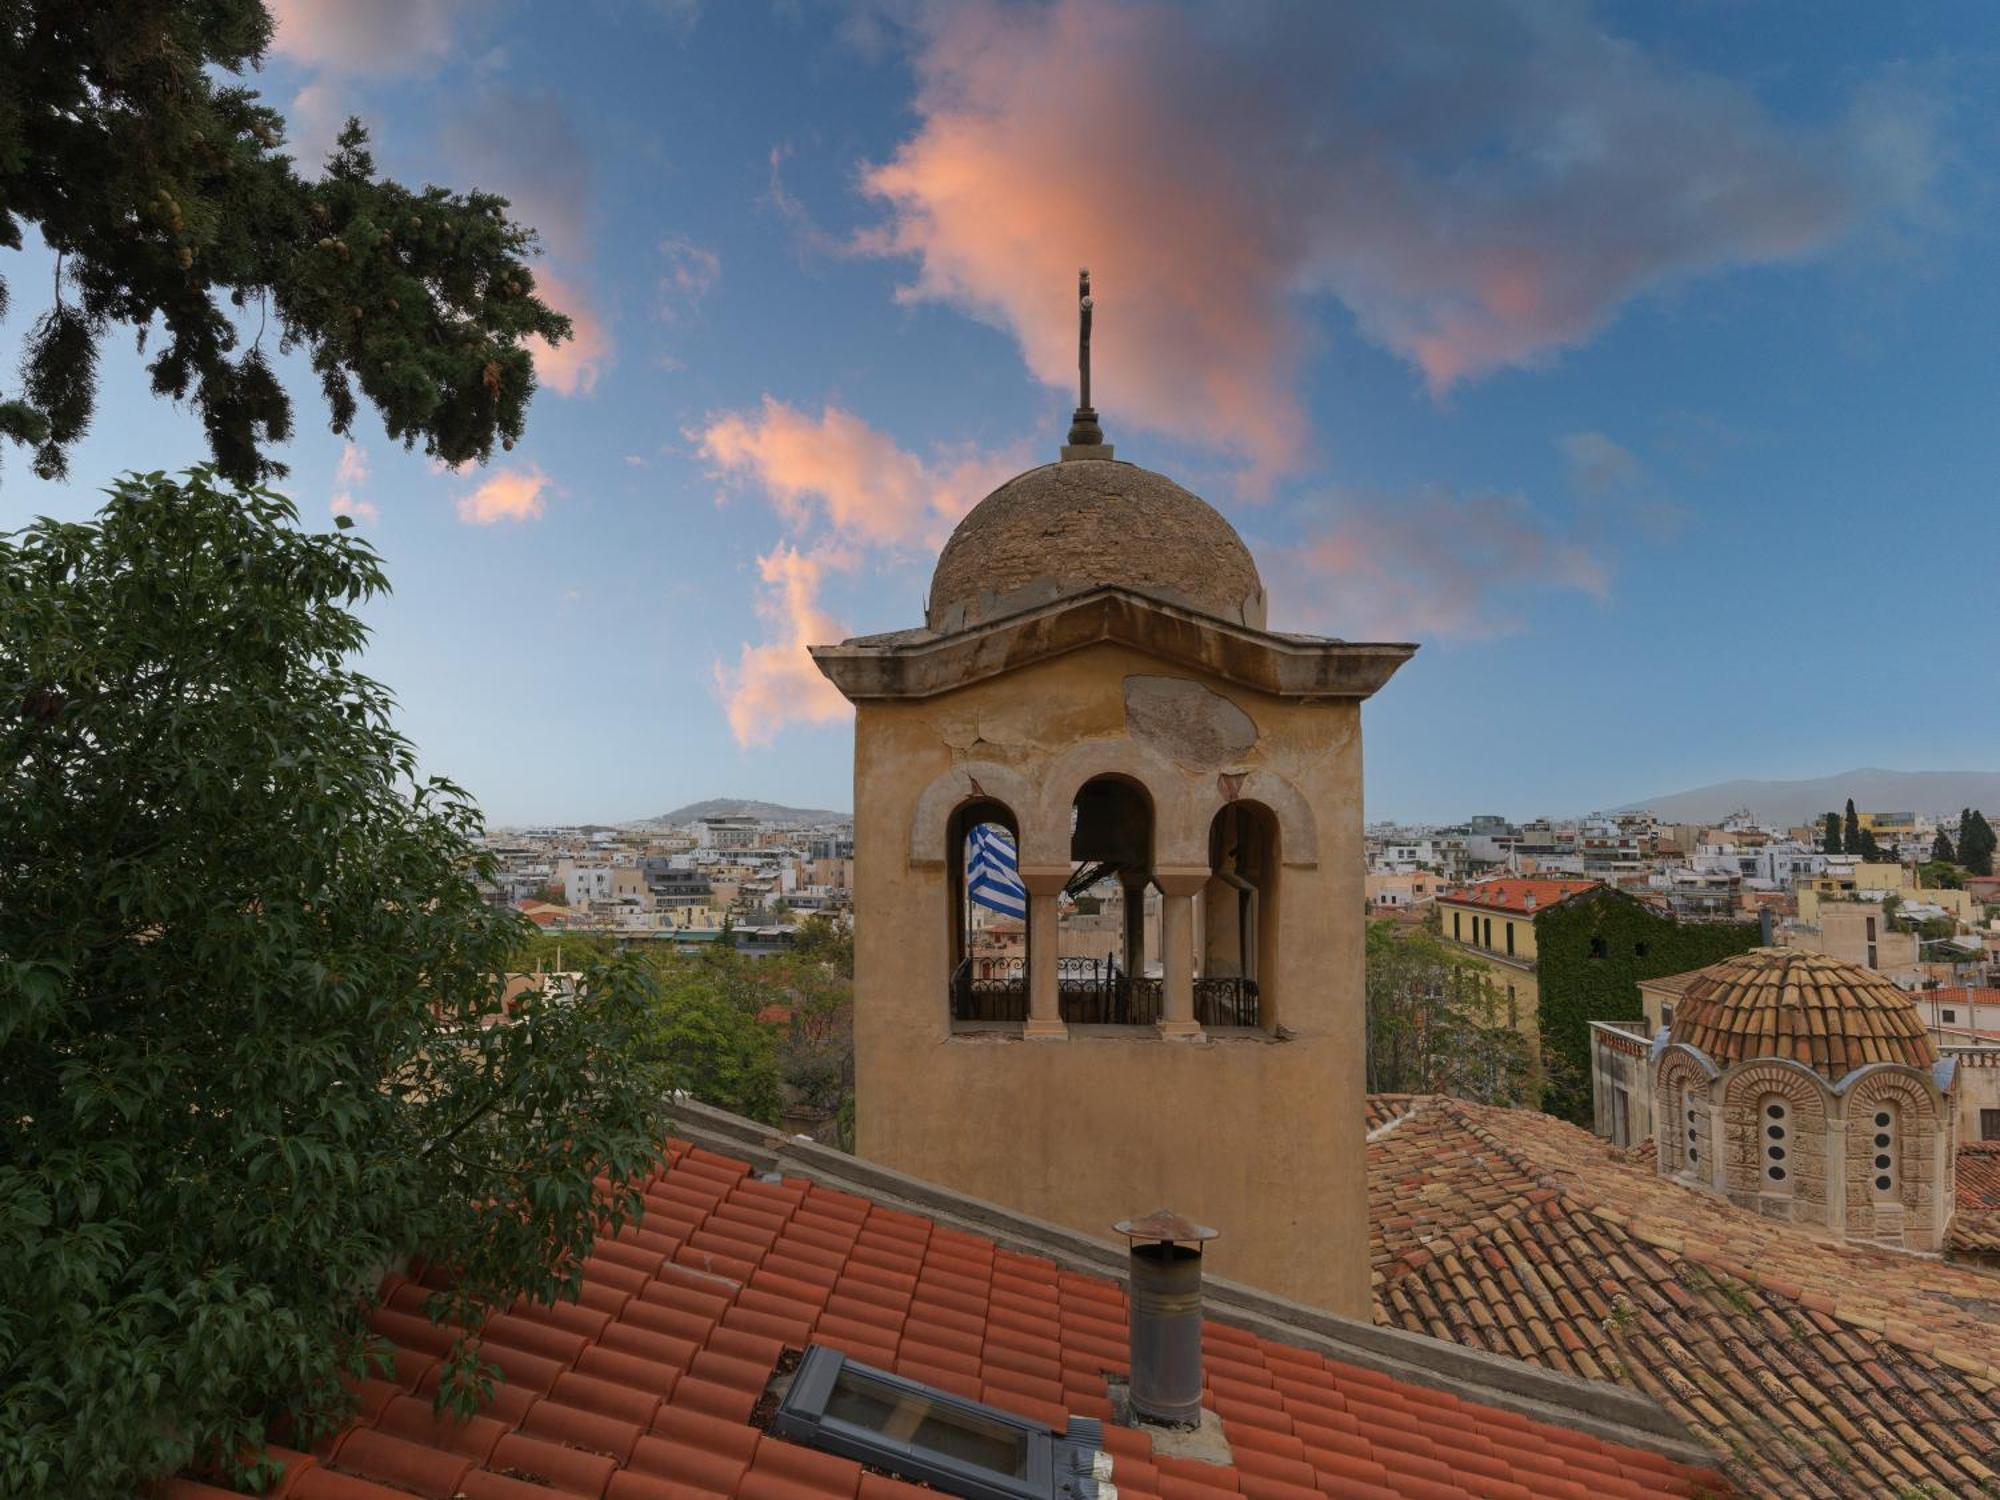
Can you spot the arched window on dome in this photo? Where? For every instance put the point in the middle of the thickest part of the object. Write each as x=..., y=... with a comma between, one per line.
x=989, y=915
x=1108, y=948
x=1239, y=918
x=1885, y=1135
x=1774, y=1126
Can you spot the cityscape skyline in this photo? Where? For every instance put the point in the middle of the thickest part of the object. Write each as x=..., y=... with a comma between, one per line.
x=1609, y=437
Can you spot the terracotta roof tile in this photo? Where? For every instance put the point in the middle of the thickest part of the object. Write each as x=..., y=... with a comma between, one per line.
x=642, y=1389
x=1522, y=897
x=1820, y=1369
x=1829, y=1014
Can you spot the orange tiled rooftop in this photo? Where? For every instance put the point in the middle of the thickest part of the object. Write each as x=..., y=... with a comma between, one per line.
x=644, y=1388
x=1829, y=1014
x=1817, y=1368
x=1520, y=896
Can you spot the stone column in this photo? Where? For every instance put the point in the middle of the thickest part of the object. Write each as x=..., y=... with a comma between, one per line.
x=1134, y=883
x=1044, y=883
x=1179, y=885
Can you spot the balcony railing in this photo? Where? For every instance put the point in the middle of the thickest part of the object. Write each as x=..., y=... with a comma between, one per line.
x=1092, y=992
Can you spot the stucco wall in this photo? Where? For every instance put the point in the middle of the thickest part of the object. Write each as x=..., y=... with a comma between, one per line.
x=1257, y=1135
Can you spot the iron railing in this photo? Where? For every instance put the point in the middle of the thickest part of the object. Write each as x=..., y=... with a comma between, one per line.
x=1092, y=992
x=1227, y=1002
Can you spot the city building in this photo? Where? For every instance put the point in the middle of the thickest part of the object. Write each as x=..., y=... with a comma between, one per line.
x=1093, y=675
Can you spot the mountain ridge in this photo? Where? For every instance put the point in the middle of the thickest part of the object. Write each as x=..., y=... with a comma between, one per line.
x=749, y=807
x=1802, y=800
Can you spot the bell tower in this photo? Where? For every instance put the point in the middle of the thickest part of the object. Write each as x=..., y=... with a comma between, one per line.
x=1108, y=877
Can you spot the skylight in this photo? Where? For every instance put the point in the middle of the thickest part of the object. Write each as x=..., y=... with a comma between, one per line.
x=923, y=1434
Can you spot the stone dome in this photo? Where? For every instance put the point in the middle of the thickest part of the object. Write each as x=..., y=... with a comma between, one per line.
x=1830, y=1015
x=1084, y=523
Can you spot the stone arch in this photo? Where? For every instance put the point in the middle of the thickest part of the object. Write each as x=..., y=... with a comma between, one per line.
x=1297, y=827
x=1917, y=1124
x=973, y=781
x=1681, y=1082
x=1757, y=1145
x=1175, y=840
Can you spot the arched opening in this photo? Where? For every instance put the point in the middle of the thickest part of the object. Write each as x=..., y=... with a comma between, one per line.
x=1885, y=1136
x=1107, y=954
x=988, y=913
x=1239, y=919
x=1774, y=1119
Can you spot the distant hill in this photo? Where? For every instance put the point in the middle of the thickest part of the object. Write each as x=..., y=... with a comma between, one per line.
x=745, y=807
x=1791, y=803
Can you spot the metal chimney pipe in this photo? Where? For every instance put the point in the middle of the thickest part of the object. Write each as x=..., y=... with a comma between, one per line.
x=1165, y=1317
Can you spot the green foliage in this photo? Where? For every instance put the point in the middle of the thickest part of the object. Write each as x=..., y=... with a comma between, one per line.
x=1941, y=850
x=1437, y=1025
x=1851, y=830
x=247, y=995
x=1591, y=953
x=1976, y=842
x=705, y=1030
x=1940, y=876
x=1830, y=841
x=559, y=952
x=163, y=190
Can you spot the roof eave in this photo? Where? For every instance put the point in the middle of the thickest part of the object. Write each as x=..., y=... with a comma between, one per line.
x=918, y=666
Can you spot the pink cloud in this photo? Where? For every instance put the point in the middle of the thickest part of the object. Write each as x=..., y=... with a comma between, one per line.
x=570, y=368
x=775, y=684
x=509, y=495
x=836, y=470
x=1480, y=186
x=1433, y=565
x=350, y=472
x=364, y=36
x=851, y=491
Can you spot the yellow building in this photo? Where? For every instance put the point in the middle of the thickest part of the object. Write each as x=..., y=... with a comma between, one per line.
x=1494, y=922
x=1094, y=675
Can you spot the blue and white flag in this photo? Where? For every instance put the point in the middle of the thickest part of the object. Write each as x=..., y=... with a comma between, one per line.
x=992, y=874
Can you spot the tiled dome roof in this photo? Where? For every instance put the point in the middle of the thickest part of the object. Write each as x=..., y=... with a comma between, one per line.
x=1828, y=1014
x=1077, y=525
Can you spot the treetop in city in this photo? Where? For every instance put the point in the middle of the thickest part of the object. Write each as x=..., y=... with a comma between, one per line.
x=165, y=193
x=252, y=1036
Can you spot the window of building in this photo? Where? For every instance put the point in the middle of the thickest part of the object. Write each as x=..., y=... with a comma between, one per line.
x=1776, y=1118
x=1510, y=939
x=1486, y=931
x=1882, y=1151
x=1666, y=1015
x=1989, y=1124
x=1641, y=949
x=1599, y=948
x=1455, y=937
x=1871, y=929
x=1693, y=1146
x=1950, y=1016
x=1871, y=957
x=932, y=1437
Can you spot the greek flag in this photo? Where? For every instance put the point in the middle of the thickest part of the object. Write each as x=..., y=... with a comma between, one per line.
x=992, y=877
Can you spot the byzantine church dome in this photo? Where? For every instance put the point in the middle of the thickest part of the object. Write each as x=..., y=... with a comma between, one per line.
x=1084, y=523
x=1824, y=1013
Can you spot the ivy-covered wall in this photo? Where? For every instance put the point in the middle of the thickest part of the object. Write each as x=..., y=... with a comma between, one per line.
x=1592, y=951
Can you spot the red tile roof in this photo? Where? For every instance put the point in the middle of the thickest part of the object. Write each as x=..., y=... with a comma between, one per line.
x=643, y=1388
x=1822, y=1369
x=1975, y=995
x=1513, y=895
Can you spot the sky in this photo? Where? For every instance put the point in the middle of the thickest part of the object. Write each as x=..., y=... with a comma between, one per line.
x=1638, y=360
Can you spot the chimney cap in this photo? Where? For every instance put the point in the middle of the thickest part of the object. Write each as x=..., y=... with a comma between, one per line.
x=1164, y=1226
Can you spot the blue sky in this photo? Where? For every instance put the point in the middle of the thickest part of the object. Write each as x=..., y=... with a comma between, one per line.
x=1635, y=359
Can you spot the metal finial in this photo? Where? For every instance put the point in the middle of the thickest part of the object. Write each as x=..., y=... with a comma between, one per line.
x=1083, y=429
